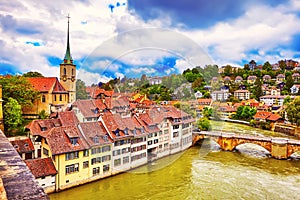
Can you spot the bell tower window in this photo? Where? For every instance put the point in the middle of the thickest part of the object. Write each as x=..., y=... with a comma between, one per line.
x=65, y=71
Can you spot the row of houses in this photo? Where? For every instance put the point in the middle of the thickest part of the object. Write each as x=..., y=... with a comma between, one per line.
x=98, y=138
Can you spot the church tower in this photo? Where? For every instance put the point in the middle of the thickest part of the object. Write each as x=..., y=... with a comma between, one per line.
x=68, y=72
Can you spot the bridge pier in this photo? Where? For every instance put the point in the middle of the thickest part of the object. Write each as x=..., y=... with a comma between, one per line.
x=279, y=149
x=226, y=142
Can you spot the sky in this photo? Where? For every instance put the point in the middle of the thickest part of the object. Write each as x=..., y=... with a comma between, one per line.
x=117, y=38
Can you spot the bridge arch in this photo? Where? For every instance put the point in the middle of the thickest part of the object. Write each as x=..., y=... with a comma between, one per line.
x=292, y=149
x=264, y=144
x=252, y=149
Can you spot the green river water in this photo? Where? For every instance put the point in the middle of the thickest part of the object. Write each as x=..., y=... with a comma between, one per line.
x=202, y=172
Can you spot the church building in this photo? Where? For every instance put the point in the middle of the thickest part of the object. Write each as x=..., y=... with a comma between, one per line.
x=55, y=95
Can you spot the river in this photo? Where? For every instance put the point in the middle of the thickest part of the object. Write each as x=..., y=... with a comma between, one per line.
x=202, y=172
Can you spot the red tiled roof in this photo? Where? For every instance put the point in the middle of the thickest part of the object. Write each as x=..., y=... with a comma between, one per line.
x=68, y=118
x=87, y=107
x=204, y=101
x=23, y=145
x=46, y=84
x=59, y=142
x=94, y=129
x=274, y=117
x=41, y=167
x=36, y=126
x=262, y=115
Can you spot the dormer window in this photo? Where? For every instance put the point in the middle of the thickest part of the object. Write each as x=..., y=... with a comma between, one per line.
x=105, y=138
x=74, y=141
x=43, y=128
x=117, y=132
x=96, y=110
x=96, y=139
x=16, y=146
x=134, y=131
x=126, y=131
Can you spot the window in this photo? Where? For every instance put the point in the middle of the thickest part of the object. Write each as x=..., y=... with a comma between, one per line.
x=116, y=152
x=105, y=168
x=72, y=155
x=85, y=164
x=65, y=71
x=126, y=159
x=117, y=162
x=176, y=127
x=86, y=153
x=150, y=142
x=175, y=134
x=96, y=150
x=74, y=140
x=96, y=160
x=96, y=171
x=60, y=97
x=43, y=99
x=106, y=158
x=45, y=152
x=72, y=168
x=72, y=71
x=105, y=148
x=96, y=139
x=54, y=97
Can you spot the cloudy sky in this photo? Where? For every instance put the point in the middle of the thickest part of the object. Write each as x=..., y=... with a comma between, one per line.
x=111, y=38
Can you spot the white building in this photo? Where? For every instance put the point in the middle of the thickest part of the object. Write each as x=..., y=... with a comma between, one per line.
x=270, y=100
x=44, y=172
x=219, y=95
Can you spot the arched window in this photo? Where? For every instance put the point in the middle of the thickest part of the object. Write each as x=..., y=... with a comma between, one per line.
x=65, y=71
x=43, y=99
x=60, y=97
x=72, y=72
x=54, y=97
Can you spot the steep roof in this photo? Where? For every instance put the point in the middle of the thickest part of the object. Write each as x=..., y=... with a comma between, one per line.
x=47, y=84
x=41, y=167
x=23, y=145
x=58, y=139
x=92, y=130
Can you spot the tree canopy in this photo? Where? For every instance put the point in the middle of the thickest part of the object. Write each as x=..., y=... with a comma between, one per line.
x=12, y=115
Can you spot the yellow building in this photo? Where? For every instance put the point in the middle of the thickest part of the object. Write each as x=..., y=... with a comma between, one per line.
x=53, y=97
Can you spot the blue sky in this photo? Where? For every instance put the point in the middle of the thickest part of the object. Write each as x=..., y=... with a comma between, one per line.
x=111, y=38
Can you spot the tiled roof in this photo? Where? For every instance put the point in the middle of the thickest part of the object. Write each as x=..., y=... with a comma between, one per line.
x=251, y=77
x=68, y=118
x=41, y=167
x=296, y=75
x=238, y=78
x=42, y=126
x=280, y=76
x=274, y=117
x=23, y=145
x=59, y=142
x=241, y=91
x=95, y=133
x=262, y=115
x=204, y=101
x=46, y=84
x=87, y=107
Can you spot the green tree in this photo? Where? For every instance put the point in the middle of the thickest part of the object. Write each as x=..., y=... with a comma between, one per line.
x=80, y=90
x=43, y=115
x=287, y=100
x=257, y=90
x=12, y=116
x=289, y=83
x=207, y=112
x=18, y=88
x=33, y=74
x=204, y=124
x=293, y=111
x=228, y=70
x=267, y=66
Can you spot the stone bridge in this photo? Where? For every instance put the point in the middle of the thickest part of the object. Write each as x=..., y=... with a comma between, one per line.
x=279, y=148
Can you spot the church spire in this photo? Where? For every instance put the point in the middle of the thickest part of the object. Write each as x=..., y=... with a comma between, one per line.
x=68, y=58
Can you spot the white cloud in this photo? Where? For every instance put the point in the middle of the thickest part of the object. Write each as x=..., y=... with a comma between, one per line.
x=90, y=78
